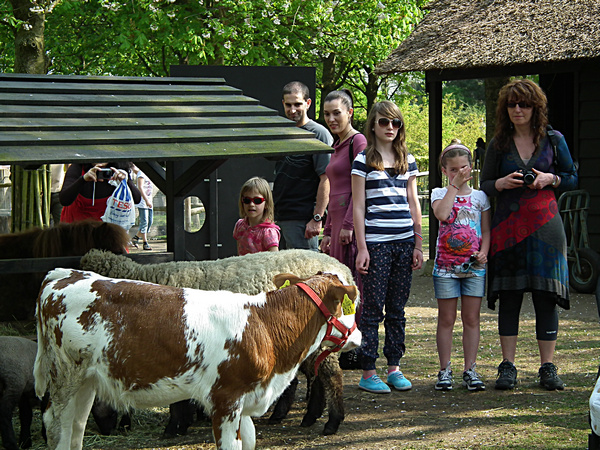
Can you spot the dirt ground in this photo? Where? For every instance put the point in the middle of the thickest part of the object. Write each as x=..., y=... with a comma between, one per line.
x=527, y=417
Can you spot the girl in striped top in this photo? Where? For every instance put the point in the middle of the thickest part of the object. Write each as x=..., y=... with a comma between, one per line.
x=387, y=224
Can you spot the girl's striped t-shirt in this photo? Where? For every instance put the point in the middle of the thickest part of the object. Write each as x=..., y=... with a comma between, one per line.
x=387, y=213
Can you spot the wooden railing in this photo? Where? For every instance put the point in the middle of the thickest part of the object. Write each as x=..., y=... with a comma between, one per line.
x=33, y=265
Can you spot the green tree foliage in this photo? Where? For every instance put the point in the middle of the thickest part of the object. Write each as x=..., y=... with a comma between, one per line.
x=466, y=91
x=463, y=122
x=8, y=26
x=344, y=39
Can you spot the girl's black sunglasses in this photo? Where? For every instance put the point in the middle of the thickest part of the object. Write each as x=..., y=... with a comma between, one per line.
x=384, y=122
x=255, y=200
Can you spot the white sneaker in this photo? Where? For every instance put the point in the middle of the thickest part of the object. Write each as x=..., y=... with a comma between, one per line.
x=444, y=381
x=472, y=381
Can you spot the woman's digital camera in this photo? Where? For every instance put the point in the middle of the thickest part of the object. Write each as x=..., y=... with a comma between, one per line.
x=528, y=176
x=104, y=174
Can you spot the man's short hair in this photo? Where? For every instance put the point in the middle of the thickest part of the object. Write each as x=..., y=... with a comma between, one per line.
x=296, y=87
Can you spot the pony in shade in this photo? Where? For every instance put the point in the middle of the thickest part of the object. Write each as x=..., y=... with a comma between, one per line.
x=19, y=291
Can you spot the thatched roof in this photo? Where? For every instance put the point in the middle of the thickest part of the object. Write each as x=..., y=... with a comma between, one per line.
x=465, y=34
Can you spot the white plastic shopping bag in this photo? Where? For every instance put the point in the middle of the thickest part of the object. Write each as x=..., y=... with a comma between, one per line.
x=120, y=209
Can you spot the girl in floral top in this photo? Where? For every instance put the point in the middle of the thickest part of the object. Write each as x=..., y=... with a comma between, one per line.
x=255, y=231
x=462, y=247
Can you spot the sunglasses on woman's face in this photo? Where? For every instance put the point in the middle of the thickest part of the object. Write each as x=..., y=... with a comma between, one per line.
x=255, y=200
x=384, y=122
x=521, y=105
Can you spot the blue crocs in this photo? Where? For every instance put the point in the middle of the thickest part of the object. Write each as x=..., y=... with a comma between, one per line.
x=373, y=384
x=397, y=380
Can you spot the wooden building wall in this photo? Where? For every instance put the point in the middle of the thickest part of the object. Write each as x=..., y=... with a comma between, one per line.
x=588, y=111
x=219, y=193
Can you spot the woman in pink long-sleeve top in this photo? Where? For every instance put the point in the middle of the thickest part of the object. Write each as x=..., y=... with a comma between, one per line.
x=338, y=235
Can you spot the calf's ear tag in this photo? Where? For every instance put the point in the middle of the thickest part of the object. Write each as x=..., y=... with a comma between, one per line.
x=285, y=284
x=348, y=306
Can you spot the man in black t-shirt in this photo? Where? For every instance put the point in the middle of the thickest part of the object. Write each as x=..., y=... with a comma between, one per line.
x=301, y=187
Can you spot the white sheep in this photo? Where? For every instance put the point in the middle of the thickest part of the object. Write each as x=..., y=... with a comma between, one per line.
x=249, y=274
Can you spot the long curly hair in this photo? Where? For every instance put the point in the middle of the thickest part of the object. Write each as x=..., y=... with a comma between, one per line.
x=387, y=109
x=521, y=90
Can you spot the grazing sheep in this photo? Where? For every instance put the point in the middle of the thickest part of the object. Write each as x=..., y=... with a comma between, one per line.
x=106, y=418
x=17, y=356
x=249, y=274
x=181, y=417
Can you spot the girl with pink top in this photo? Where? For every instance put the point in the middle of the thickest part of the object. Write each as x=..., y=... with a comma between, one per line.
x=255, y=231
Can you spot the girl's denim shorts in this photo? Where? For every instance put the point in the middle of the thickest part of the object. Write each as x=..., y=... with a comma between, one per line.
x=457, y=287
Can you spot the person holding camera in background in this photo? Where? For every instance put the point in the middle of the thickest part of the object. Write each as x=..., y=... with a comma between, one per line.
x=86, y=189
x=528, y=250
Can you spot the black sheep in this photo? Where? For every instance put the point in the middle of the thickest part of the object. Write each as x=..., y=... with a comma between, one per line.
x=17, y=356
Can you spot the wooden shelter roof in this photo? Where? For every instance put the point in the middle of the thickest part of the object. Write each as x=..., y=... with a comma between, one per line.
x=53, y=119
x=478, y=34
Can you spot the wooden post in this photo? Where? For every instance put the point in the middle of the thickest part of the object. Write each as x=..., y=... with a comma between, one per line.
x=434, y=88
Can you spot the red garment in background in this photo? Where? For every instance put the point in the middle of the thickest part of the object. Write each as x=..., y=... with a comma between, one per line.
x=82, y=208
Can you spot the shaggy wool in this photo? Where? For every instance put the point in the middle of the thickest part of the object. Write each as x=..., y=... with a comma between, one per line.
x=249, y=274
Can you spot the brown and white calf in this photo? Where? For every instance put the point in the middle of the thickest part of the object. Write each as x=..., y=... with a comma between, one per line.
x=136, y=344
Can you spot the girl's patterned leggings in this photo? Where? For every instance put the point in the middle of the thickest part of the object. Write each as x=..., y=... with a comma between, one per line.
x=385, y=287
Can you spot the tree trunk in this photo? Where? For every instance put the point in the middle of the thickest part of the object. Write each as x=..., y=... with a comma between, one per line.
x=30, y=188
x=328, y=81
x=30, y=56
x=372, y=89
x=492, y=87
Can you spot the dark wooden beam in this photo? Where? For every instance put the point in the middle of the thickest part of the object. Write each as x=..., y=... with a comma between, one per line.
x=502, y=71
x=99, y=80
x=22, y=124
x=155, y=171
x=130, y=137
x=194, y=174
x=268, y=147
x=210, y=86
x=34, y=265
x=116, y=111
x=175, y=212
x=434, y=88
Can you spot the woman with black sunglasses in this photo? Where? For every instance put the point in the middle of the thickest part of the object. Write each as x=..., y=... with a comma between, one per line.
x=528, y=243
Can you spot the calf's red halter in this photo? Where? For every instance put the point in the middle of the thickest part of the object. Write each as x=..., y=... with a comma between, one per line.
x=332, y=321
